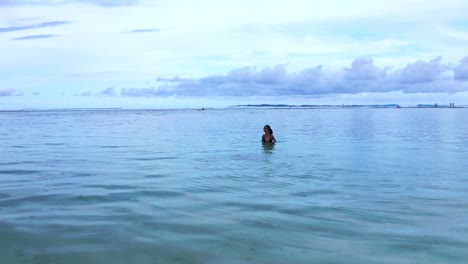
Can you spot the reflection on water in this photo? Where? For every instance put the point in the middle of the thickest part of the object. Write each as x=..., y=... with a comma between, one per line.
x=268, y=147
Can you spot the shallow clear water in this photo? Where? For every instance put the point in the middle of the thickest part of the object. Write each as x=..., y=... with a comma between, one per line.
x=187, y=186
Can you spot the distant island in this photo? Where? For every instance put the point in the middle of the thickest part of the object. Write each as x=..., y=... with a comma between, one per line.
x=348, y=106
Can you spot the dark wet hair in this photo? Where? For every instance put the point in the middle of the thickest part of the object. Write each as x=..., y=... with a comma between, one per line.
x=269, y=128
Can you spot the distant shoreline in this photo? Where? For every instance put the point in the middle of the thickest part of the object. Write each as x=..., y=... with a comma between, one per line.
x=345, y=106
x=251, y=106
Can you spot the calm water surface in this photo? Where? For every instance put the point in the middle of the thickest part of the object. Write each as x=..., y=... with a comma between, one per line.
x=187, y=186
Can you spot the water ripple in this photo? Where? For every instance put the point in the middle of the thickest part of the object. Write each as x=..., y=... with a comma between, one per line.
x=184, y=186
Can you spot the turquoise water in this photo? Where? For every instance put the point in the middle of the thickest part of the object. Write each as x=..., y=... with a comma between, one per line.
x=187, y=186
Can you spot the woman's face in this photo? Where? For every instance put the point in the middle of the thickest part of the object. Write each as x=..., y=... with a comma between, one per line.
x=266, y=129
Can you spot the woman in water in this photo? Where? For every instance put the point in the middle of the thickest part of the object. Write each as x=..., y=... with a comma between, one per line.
x=268, y=136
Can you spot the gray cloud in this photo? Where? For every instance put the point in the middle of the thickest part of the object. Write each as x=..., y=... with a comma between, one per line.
x=364, y=69
x=87, y=93
x=108, y=92
x=363, y=76
x=461, y=71
x=144, y=30
x=103, y=3
x=7, y=2
x=109, y=3
x=35, y=37
x=276, y=81
x=421, y=72
x=34, y=26
x=9, y=92
x=141, y=92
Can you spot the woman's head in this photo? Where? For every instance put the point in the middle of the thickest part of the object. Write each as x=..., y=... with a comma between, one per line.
x=268, y=129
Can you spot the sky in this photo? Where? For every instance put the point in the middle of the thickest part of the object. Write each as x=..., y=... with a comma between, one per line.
x=216, y=53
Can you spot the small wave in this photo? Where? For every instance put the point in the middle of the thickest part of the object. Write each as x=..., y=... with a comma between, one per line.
x=18, y=172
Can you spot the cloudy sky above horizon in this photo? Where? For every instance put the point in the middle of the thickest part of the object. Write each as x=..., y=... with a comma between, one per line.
x=207, y=53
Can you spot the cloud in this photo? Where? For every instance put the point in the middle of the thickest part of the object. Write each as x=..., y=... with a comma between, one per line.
x=34, y=26
x=109, y=3
x=87, y=93
x=421, y=72
x=103, y=3
x=9, y=92
x=144, y=30
x=108, y=92
x=362, y=77
x=35, y=37
x=461, y=71
x=364, y=69
x=7, y=2
x=141, y=92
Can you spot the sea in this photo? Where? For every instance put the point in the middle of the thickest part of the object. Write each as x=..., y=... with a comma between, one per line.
x=344, y=185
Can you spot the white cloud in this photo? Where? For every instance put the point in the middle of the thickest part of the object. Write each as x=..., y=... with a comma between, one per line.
x=454, y=33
